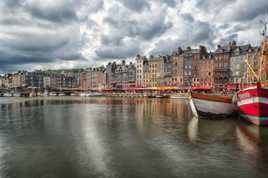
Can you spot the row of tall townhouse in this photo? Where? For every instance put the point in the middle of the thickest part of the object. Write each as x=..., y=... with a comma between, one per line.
x=12, y=80
x=183, y=67
x=93, y=78
x=39, y=79
x=198, y=67
x=120, y=75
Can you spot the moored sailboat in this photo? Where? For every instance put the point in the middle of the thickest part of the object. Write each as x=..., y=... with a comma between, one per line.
x=214, y=106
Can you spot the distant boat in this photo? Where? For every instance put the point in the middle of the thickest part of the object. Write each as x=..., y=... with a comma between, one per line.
x=216, y=106
x=161, y=96
x=179, y=96
x=91, y=94
x=74, y=94
x=7, y=95
x=94, y=94
x=52, y=94
x=16, y=94
x=46, y=93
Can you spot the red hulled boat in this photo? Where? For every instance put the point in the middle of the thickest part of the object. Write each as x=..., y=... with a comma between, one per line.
x=253, y=104
x=253, y=101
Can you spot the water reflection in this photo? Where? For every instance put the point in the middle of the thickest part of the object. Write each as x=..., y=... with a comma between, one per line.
x=193, y=129
x=109, y=137
x=252, y=141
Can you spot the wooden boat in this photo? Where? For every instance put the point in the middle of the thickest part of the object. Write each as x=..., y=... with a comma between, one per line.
x=216, y=106
x=161, y=96
x=253, y=101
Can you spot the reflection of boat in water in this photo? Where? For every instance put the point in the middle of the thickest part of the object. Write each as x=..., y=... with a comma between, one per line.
x=193, y=129
x=252, y=140
x=210, y=131
x=211, y=105
x=248, y=137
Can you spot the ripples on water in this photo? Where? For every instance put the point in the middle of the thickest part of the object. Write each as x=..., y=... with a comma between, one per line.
x=104, y=137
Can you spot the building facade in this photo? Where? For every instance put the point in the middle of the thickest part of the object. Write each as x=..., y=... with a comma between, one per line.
x=34, y=79
x=177, y=67
x=141, y=61
x=167, y=71
x=222, y=72
x=206, y=72
x=121, y=76
x=237, y=63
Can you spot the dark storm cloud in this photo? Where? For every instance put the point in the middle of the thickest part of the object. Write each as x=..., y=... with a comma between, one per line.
x=34, y=32
x=38, y=48
x=187, y=17
x=171, y=3
x=196, y=33
x=249, y=10
x=166, y=46
x=213, y=5
x=56, y=14
x=226, y=39
x=62, y=11
x=118, y=52
x=124, y=27
x=119, y=20
x=234, y=10
x=136, y=5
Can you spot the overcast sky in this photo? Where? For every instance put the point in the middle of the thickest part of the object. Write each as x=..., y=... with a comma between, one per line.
x=50, y=34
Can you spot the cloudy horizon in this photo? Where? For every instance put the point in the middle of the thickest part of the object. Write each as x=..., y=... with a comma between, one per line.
x=48, y=34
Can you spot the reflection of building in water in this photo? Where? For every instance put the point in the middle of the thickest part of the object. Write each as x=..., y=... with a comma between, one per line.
x=20, y=114
x=165, y=109
x=177, y=108
x=139, y=111
x=181, y=109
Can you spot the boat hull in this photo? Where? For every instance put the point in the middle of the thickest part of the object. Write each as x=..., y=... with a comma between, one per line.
x=212, y=106
x=253, y=105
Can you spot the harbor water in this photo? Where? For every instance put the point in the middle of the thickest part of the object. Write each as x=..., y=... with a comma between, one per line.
x=74, y=137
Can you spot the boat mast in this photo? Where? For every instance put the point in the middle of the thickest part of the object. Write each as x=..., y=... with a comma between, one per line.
x=263, y=55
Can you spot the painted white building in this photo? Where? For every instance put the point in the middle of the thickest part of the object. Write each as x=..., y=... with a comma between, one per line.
x=140, y=70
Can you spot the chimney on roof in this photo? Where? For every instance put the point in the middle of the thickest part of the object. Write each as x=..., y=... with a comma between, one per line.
x=180, y=50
